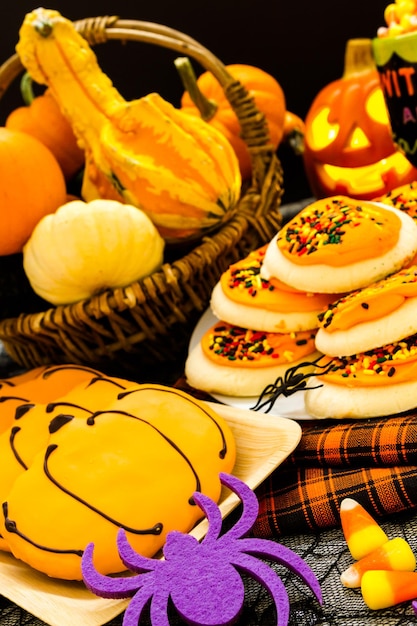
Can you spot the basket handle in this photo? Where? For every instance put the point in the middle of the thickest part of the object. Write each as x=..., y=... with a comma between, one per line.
x=254, y=129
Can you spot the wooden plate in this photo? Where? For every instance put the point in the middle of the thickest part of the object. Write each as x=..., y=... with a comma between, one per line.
x=262, y=444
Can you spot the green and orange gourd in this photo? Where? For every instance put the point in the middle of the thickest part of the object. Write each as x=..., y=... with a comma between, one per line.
x=180, y=171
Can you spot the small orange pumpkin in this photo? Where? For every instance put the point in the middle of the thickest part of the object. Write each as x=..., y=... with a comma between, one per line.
x=42, y=118
x=32, y=185
x=265, y=90
x=348, y=146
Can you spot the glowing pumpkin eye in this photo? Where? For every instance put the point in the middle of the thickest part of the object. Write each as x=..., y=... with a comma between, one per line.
x=376, y=108
x=322, y=133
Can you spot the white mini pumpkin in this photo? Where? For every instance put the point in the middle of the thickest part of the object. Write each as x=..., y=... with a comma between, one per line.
x=86, y=247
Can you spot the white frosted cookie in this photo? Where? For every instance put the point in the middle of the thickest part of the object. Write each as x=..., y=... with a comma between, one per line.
x=384, y=312
x=339, y=244
x=238, y=362
x=243, y=298
x=371, y=384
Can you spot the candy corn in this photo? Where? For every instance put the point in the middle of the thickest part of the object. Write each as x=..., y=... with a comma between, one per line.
x=395, y=554
x=361, y=531
x=382, y=589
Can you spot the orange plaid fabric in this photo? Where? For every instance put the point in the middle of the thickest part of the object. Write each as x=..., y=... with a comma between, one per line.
x=373, y=461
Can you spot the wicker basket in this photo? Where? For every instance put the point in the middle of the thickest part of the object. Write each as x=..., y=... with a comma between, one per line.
x=144, y=328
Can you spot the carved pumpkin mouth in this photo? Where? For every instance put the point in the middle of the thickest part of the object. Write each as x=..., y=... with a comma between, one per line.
x=365, y=179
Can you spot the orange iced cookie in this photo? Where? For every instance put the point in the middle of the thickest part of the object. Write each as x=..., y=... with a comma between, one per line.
x=384, y=312
x=370, y=384
x=237, y=361
x=243, y=297
x=403, y=198
x=40, y=384
x=135, y=469
x=30, y=428
x=339, y=244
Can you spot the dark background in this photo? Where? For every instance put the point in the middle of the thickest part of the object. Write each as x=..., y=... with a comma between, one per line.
x=300, y=43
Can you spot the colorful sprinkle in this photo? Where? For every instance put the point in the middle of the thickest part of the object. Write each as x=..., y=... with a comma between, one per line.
x=316, y=227
x=226, y=344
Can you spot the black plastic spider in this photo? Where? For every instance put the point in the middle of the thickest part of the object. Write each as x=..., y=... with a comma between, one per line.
x=295, y=379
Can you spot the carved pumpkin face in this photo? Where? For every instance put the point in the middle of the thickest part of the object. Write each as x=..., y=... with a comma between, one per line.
x=348, y=144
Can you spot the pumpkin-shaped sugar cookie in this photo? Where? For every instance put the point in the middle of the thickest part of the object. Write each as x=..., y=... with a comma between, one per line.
x=39, y=385
x=32, y=423
x=117, y=469
x=43, y=384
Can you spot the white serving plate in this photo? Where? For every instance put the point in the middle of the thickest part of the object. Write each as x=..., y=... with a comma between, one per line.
x=262, y=445
x=292, y=407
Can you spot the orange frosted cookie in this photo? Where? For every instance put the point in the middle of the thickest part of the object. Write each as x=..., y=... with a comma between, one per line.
x=30, y=426
x=44, y=383
x=135, y=468
x=40, y=384
x=235, y=361
x=339, y=244
x=242, y=297
x=384, y=312
x=370, y=384
x=403, y=198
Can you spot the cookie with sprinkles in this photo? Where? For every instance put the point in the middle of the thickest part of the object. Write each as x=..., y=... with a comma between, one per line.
x=244, y=298
x=384, y=312
x=403, y=198
x=339, y=244
x=236, y=361
x=370, y=384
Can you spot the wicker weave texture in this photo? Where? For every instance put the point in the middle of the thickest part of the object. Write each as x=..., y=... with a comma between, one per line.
x=150, y=321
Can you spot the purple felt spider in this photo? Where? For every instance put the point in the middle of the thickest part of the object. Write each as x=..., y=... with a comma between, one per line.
x=202, y=579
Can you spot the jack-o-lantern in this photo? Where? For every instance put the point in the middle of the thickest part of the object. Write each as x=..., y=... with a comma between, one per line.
x=349, y=148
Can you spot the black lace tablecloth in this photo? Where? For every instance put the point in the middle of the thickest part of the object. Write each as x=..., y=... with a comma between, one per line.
x=328, y=556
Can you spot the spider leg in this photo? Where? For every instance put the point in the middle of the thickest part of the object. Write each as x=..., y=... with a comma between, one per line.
x=285, y=556
x=107, y=586
x=212, y=512
x=159, y=608
x=270, y=580
x=293, y=381
x=269, y=389
x=132, y=559
x=136, y=605
x=250, y=506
